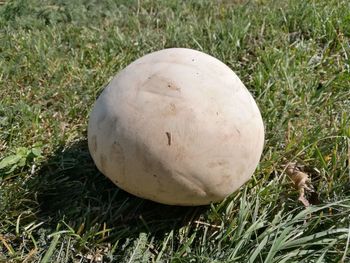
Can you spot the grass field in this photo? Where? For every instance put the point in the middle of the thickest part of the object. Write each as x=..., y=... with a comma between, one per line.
x=57, y=56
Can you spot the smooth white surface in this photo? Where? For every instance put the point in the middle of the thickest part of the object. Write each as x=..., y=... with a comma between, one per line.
x=178, y=127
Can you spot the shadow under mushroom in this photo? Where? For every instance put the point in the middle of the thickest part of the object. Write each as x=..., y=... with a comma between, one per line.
x=69, y=188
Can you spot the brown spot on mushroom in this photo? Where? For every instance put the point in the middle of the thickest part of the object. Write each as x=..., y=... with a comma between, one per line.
x=168, y=134
x=238, y=131
x=94, y=143
x=173, y=87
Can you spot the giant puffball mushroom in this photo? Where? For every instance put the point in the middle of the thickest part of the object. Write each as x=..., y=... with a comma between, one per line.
x=178, y=127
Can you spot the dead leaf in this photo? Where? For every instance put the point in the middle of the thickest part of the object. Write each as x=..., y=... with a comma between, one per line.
x=301, y=181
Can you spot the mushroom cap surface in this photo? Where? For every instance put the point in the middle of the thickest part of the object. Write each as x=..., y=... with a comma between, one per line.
x=178, y=127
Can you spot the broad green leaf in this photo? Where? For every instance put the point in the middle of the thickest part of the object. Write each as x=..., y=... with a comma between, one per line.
x=9, y=161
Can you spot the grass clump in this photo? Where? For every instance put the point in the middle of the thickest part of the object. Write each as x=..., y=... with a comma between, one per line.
x=56, y=57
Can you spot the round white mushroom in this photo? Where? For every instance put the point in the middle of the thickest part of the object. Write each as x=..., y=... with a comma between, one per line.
x=178, y=127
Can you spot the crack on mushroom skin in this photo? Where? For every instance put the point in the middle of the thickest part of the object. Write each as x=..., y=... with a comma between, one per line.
x=155, y=84
x=161, y=94
x=168, y=135
x=196, y=187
